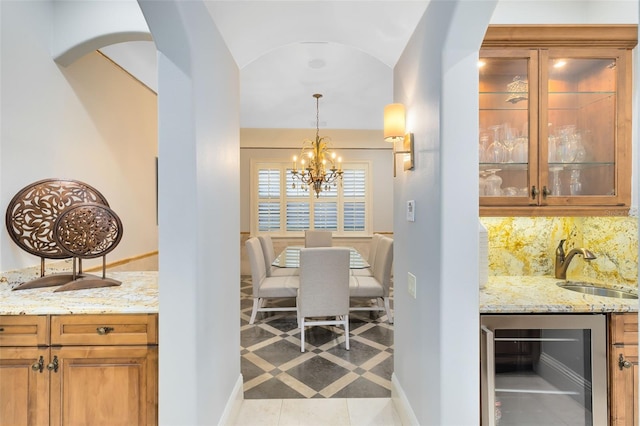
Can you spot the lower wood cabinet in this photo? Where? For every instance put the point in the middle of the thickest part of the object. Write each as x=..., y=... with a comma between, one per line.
x=79, y=370
x=623, y=369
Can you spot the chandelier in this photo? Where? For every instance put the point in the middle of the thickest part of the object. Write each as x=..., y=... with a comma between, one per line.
x=318, y=164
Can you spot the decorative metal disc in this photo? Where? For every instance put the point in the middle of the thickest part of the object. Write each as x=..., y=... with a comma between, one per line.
x=32, y=212
x=87, y=230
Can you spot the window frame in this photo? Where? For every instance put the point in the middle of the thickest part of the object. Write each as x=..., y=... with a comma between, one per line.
x=283, y=166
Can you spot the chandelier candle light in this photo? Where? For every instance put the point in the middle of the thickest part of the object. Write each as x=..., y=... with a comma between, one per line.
x=317, y=162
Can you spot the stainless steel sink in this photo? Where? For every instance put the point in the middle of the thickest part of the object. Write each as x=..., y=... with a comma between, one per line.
x=595, y=290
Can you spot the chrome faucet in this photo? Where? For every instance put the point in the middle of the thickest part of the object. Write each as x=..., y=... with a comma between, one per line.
x=562, y=261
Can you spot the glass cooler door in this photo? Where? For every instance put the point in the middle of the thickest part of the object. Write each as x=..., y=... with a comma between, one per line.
x=544, y=370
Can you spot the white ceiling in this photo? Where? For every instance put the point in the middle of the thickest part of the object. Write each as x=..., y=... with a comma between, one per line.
x=289, y=50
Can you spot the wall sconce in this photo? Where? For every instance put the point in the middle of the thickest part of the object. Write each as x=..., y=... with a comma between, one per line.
x=394, y=131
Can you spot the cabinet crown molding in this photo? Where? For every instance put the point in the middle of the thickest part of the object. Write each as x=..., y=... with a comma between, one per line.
x=621, y=36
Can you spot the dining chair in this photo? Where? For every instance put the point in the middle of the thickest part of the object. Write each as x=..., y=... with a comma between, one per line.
x=313, y=238
x=378, y=285
x=371, y=258
x=264, y=287
x=269, y=256
x=324, y=289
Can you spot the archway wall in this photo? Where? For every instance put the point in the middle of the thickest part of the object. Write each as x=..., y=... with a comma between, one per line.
x=199, y=220
x=82, y=27
x=436, y=333
x=88, y=121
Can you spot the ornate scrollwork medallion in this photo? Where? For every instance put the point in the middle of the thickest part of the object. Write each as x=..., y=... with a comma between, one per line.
x=32, y=212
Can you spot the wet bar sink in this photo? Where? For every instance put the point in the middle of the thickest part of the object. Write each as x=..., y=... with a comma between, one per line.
x=588, y=288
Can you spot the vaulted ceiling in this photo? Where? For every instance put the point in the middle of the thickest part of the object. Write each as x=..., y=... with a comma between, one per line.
x=289, y=50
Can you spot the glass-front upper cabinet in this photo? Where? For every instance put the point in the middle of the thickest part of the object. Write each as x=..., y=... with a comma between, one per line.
x=555, y=127
x=507, y=135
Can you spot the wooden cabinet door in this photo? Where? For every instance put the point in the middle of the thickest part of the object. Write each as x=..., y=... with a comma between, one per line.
x=624, y=386
x=24, y=386
x=102, y=385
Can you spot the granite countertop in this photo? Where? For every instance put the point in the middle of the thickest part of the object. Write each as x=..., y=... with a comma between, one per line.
x=138, y=293
x=540, y=294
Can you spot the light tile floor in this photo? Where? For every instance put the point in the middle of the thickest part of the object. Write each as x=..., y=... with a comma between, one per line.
x=318, y=412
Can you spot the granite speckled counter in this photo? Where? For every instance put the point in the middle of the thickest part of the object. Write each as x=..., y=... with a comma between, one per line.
x=137, y=294
x=540, y=294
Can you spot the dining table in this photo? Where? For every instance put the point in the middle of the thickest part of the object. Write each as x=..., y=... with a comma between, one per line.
x=290, y=258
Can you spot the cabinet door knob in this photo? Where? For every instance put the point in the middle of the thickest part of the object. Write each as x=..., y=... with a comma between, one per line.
x=53, y=365
x=534, y=192
x=622, y=363
x=38, y=365
x=104, y=330
x=545, y=192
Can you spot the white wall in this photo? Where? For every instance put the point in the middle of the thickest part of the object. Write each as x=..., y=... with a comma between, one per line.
x=199, y=151
x=436, y=334
x=89, y=121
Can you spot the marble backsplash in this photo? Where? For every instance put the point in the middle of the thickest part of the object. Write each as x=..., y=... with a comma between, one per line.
x=527, y=245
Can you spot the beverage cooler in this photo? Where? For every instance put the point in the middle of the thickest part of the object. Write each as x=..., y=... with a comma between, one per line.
x=543, y=369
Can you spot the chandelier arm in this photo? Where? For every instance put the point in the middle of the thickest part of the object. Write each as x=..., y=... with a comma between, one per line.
x=321, y=167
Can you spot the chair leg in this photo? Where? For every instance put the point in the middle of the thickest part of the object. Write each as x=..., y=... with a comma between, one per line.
x=302, y=334
x=346, y=331
x=254, y=311
x=388, y=309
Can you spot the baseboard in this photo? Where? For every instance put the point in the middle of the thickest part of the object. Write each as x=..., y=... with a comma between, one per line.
x=401, y=403
x=232, y=408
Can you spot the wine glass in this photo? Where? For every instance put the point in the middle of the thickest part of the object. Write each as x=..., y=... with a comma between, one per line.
x=521, y=149
x=556, y=186
x=495, y=151
x=508, y=142
x=493, y=184
x=482, y=183
x=482, y=147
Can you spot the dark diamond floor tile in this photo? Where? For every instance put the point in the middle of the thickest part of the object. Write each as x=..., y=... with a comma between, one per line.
x=362, y=388
x=384, y=369
x=270, y=389
x=279, y=353
x=254, y=335
x=249, y=370
x=284, y=323
x=318, y=336
x=359, y=353
x=317, y=372
x=381, y=335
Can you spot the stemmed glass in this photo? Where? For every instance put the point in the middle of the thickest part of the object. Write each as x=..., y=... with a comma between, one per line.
x=493, y=184
x=483, y=146
x=495, y=151
x=556, y=187
x=508, y=142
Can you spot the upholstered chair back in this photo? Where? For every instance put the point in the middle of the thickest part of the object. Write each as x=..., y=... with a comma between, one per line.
x=383, y=263
x=373, y=248
x=268, y=251
x=256, y=261
x=324, y=282
x=314, y=238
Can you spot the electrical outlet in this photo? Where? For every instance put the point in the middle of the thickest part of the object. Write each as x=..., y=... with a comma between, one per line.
x=411, y=279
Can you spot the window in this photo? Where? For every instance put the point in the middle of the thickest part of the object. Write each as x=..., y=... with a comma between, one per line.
x=279, y=208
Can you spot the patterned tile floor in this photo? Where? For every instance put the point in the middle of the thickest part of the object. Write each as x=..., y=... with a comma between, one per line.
x=273, y=367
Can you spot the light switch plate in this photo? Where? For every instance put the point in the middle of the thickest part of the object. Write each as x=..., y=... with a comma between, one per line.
x=411, y=279
x=411, y=210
